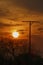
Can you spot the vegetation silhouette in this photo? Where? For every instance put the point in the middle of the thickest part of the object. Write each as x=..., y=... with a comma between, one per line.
x=11, y=53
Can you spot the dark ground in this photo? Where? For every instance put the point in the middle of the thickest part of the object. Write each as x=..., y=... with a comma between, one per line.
x=24, y=59
x=8, y=57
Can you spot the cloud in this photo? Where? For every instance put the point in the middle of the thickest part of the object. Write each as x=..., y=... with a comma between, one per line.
x=33, y=5
x=20, y=9
x=22, y=31
x=9, y=25
x=4, y=12
x=40, y=29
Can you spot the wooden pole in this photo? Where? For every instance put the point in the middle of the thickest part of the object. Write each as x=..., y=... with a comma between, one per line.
x=30, y=37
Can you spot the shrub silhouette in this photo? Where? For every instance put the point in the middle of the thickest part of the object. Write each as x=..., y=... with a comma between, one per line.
x=10, y=56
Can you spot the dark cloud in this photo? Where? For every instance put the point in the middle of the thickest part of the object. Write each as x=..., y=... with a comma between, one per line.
x=34, y=5
x=4, y=12
x=9, y=25
x=40, y=29
x=22, y=31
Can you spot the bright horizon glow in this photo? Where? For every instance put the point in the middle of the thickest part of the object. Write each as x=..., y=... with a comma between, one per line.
x=15, y=34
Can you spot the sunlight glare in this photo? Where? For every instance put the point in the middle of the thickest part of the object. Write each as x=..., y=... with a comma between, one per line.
x=15, y=34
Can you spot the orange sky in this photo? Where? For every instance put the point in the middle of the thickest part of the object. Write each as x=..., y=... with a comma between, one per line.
x=11, y=17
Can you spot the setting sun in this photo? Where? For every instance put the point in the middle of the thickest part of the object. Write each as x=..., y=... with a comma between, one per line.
x=15, y=34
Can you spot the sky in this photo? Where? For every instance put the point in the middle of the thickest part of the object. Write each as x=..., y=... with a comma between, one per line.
x=14, y=12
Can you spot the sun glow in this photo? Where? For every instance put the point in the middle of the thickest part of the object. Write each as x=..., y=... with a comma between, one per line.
x=15, y=34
